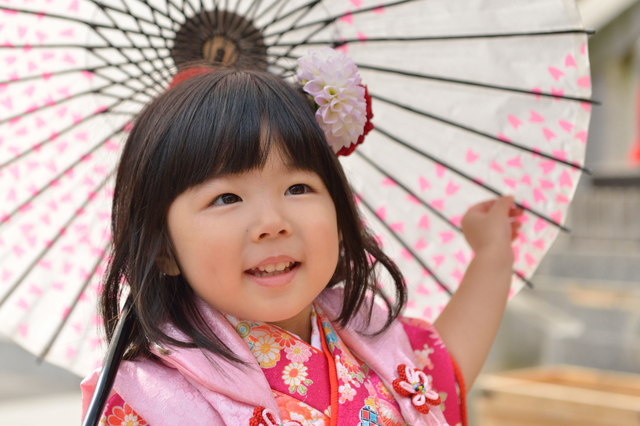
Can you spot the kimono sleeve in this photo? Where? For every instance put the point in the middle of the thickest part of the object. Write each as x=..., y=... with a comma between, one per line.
x=117, y=413
x=434, y=359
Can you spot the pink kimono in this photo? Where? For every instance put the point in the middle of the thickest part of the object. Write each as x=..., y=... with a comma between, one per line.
x=404, y=376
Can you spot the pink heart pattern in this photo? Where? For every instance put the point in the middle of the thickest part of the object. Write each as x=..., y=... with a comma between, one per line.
x=419, y=229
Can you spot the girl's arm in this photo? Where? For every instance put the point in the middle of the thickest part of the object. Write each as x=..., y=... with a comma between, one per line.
x=469, y=323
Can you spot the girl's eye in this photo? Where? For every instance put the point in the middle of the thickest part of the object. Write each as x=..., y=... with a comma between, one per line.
x=298, y=189
x=225, y=199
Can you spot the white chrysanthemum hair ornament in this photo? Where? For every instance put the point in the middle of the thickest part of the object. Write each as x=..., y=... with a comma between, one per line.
x=343, y=105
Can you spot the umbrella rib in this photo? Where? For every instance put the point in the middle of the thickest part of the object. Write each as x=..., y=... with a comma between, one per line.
x=457, y=81
x=47, y=248
x=154, y=22
x=476, y=84
x=70, y=98
x=305, y=13
x=413, y=194
x=461, y=174
x=328, y=21
x=478, y=132
x=49, y=140
x=91, y=25
x=94, y=27
x=72, y=70
x=439, y=38
x=7, y=217
x=84, y=285
x=278, y=18
x=142, y=50
x=406, y=247
x=435, y=212
x=153, y=8
x=184, y=13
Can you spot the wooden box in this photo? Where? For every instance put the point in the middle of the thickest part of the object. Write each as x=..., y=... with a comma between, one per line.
x=563, y=395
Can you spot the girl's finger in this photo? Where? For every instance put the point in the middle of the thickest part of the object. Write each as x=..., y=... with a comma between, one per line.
x=516, y=211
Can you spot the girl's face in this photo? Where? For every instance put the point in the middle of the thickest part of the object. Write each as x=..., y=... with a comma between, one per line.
x=226, y=229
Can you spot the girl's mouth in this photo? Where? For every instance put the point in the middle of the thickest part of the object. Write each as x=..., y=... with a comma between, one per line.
x=272, y=270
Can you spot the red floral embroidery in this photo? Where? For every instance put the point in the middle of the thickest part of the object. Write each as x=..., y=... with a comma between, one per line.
x=124, y=416
x=265, y=417
x=415, y=384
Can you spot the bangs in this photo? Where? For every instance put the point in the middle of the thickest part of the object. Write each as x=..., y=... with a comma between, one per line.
x=229, y=123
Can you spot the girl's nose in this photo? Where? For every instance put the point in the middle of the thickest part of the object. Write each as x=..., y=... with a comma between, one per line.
x=270, y=223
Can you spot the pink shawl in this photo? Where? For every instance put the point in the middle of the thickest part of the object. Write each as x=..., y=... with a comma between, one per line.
x=190, y=389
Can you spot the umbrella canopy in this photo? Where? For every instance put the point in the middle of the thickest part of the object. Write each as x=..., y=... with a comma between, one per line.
x=470, y=98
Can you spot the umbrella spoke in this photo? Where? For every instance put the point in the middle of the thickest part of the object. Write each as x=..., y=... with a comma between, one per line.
x=142, y=51
x=105, y=6
x=406, y=247
x=79, y=70
x=147, y=4
x=55, y=239
x=6, y=218
x=430, y=208
x=93, y=27
x=437, y=38
x=69, y=128
x=84, y=285
x=328, y=21
x=278, y=18
x=461, y=174
x=79, y=95
x=478, y=132
x=413, y=194
x=476, y=84
x=90, y=25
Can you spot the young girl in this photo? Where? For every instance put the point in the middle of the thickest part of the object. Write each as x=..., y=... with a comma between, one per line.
x=236, y=235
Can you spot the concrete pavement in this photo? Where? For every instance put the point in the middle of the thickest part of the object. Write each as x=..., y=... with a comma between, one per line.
x=35, y=394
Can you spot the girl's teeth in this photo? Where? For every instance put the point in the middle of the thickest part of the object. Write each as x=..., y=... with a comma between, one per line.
x=264, y=272
x=278, y=267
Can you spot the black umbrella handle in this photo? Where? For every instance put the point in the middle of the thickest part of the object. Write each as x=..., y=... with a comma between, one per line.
x=110, y=368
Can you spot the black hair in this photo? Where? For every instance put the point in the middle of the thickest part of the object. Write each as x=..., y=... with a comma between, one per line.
x=209, y=125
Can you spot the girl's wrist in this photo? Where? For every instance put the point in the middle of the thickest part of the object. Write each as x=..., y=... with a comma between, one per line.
x=498, y=255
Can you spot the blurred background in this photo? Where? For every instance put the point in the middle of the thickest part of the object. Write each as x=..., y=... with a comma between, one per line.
x=584, y=310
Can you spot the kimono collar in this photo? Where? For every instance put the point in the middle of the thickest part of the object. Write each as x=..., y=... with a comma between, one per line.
x=203, y=391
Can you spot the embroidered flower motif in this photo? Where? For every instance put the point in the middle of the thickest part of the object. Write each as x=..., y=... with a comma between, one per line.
x=284, y=339
x=390, y=416
x=414, y=383
x=266, y=351
x=298, y=353
x=384, y=392
x=125, y=416
x=265, y=417
x=424, y=361
x=332, y=79
x=346, y=393
x=295, y=375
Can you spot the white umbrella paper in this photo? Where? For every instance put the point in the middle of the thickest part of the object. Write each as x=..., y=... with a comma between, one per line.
x=471, y=99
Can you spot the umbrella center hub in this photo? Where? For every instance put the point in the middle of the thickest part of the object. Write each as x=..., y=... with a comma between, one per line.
x=219, y=37
x=220, y=50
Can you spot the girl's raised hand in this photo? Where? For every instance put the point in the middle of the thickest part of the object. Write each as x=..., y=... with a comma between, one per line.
x=492, y=225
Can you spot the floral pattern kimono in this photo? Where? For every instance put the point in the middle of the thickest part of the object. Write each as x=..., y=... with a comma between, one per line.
x=312, y=383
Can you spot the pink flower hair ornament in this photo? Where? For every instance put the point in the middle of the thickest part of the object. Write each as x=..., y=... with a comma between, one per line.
x=343, y=104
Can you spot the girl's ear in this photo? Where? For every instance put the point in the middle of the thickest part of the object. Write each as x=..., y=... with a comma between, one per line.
x=166, y=262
